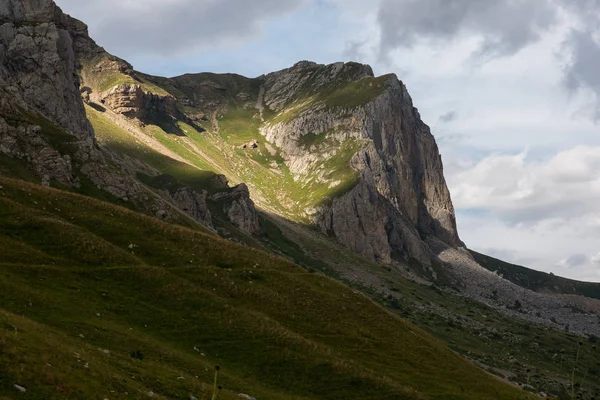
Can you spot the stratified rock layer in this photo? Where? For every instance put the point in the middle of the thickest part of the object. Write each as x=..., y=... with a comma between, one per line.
x=402, y=196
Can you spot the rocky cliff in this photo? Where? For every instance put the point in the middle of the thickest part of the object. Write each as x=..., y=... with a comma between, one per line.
x=43, y=121
x=400, y=196
x=39, y=94
x=332, y=146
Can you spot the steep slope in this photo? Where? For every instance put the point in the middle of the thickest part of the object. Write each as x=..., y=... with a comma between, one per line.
x=180, y=302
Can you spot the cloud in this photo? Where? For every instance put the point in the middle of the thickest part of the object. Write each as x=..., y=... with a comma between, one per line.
x=158, y=27
x=448, y=117
x=545, y=246
x=581, y=71
x=354, y=50
x=541, y=213
x=502, y=26
x=574, y=261
x=527, y=192
x=494, y=29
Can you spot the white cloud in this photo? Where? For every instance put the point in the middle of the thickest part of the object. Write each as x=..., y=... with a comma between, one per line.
x=521, y=191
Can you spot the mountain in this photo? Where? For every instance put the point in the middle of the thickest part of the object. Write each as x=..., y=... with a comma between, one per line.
x=315, y=170
x=332, y=145
x=536, y=280
x=322, y=145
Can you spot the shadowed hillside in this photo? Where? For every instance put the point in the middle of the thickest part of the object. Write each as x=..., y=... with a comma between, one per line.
x=85, y=284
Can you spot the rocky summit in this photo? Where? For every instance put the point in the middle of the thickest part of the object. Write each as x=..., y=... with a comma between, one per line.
x=295, y=228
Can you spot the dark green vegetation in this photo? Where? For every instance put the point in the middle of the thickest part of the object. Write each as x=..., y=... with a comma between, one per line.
x=537, y=280
x=502, y=345
x=85, y=284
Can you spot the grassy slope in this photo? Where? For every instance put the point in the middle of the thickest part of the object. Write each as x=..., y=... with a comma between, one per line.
x=537, y=280
x=123, y=142
x=122, y=282
x=264, y=170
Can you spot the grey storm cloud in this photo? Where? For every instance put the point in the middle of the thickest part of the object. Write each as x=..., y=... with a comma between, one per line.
x=168, y=27
x=506, y=26
x=581, y=71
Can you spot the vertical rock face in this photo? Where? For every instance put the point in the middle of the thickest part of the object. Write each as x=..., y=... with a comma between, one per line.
x=132, y=101
x=39, y=90
x=401, y=196
x=193, y=204
x=239, y=208
x=42, y=116
x=38, y=63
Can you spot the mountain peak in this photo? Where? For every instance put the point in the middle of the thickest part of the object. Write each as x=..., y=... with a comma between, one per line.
x=351, y=70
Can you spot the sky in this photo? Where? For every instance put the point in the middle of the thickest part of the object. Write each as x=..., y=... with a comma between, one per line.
x=510, y=89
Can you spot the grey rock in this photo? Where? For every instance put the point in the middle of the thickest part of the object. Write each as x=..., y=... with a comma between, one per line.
x=368, y=223
x=253, y=144
x=20, y=388
x=42, y=116
x=239, y=208
x=161, y=214
x=135, y=102
x=489, y=288
x=401, y=197
x=193, y=203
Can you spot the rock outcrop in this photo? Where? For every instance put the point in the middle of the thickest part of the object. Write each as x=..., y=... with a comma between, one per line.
x=193, y=203
x=239, y=208
x=133, y=101
x=40, y=104
x=401, y=197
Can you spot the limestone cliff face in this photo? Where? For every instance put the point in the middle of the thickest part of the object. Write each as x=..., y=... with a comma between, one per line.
x=42, y=116
x=401, y=196
x=239, y=208
x=133, y=101
x=38, y=78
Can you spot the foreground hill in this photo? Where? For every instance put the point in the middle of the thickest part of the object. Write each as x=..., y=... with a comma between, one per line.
x=97, y=301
